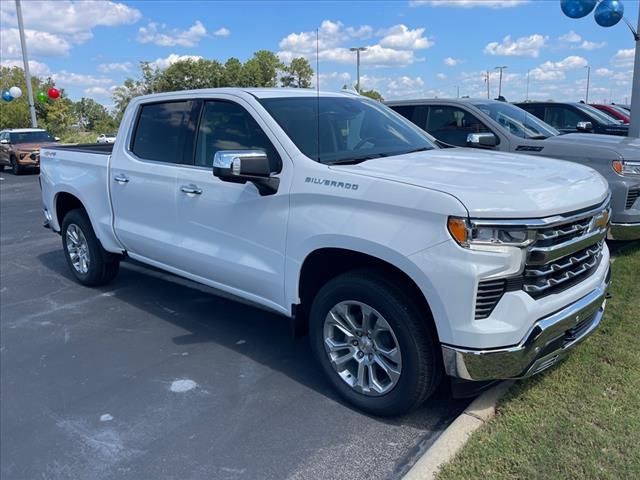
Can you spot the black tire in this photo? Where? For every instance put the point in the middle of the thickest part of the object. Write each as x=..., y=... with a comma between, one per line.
x=16, y=169
x=2, y=167
x=421, y=370
x=102, y=266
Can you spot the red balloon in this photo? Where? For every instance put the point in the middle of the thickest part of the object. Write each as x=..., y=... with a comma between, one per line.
x=53, y=93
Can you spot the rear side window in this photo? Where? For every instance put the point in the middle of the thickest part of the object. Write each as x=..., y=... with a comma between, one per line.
x=160, y=131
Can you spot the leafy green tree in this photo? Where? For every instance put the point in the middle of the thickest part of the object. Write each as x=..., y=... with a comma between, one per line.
x=93, y=116
x=261, y=70
x=297, y=74
x=372, y=94
x=191, y=74
x=232, y=75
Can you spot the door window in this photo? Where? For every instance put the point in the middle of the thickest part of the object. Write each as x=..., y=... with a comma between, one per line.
x=562, y=117
x=228, y=126
x=161, y=131
x=452, y=125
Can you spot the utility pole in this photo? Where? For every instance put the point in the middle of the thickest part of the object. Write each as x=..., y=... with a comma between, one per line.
x=501, y=68
x=588, y=67
x=528, y=72
x=458, y=92
x=25, y=59
x=634, y=126
x=487, y=76
x=358, y=50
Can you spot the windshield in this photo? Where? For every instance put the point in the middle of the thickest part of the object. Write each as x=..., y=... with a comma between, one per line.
x=349, y=130
x=597, y=114
x=30, y=137
x=620, y=110
x=518, y=121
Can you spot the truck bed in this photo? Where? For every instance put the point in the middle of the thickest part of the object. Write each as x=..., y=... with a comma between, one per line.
x=99, y=148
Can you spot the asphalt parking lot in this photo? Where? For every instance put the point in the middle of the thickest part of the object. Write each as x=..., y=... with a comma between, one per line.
x=153, y=377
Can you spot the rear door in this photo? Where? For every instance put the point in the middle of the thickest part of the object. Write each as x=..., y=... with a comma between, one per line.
x=143, y=180
x=229, y=234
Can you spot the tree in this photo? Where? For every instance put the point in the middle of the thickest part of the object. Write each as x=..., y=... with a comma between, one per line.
x=297, y=74
x=262, y=69
x=93, y=116
x=232, y=75
x=372, y=94
x=191, y=74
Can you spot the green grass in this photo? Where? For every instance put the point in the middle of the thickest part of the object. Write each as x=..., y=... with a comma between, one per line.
x=78, y=137
x=580, y=420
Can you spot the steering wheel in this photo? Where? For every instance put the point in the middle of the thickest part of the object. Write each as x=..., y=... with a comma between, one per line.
x=362, y=142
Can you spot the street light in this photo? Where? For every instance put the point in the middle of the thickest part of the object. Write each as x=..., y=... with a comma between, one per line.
x=528, y=72
x=501, y=68
x=358, y=50
x=588, y=67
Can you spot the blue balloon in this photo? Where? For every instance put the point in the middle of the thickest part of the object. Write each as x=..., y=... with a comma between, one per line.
x=577, y=8
x=609, y=12
x=6, y=96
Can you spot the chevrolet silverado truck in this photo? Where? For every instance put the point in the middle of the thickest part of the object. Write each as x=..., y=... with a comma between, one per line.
x=405, y=261
x=20, y=148
x=495, y=125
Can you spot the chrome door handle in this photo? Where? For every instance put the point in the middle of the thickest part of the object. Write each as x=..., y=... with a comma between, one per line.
x=191, y=189
x=120, y=179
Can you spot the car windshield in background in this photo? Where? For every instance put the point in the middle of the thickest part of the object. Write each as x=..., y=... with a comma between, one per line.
x=518, y=121
x=350, y=129
x=597, y=114
x=30, y=137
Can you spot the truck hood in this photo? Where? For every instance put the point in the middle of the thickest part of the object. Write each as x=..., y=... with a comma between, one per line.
x=627, y=147
x=492, y=184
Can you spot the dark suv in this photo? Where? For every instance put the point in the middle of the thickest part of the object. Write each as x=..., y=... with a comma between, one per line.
x=575, y=117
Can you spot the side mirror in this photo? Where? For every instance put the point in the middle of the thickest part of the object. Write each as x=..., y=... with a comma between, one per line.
x=242, y=166
x=584, y=126
x=57, y=139
x=481, y=140
x=4, y=141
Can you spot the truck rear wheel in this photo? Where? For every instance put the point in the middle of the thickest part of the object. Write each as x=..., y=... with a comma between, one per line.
x=374, y=343
x=91, y=264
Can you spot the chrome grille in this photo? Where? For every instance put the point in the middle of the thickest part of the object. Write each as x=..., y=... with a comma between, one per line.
x=489, y=294
x=540, y=280
x=632, y=196
x=562, y=233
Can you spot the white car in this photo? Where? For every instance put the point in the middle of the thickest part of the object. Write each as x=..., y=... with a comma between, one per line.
x=404, y=261
x=106, y=138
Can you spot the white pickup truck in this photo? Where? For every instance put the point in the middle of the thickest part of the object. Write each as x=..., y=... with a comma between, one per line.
x=404, y=261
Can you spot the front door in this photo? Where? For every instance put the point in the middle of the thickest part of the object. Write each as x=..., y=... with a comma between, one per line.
x=229, y=234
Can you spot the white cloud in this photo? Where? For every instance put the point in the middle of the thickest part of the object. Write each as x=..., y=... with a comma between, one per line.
x=39, y=44
x=222, y=32
x=451, y=62
x=522, y=47
x=441, y=76
x=587, y=45
x=64, y=78
x=333, y=79
x=395, y=48
x=35, y=68
x=604, y=72
x=115, y=67
x=101, y=92
x=164, y=37
x=166, y=62
x=469, y=3
x=403, y=38
x=556, y=70
x=70, y=17
x=571, y=37
x=624, y=57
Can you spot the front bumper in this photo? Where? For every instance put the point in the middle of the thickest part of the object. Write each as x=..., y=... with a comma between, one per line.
x=624, y=231
x=548, y=341
x=30, y=160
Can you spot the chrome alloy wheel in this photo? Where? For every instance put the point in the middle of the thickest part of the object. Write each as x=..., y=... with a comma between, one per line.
x=362, y=348
x=78, y=249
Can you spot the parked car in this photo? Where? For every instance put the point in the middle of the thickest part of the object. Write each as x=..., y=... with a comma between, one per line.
x=20, y=148
x=404, y=261
x=106, y=138
x=575, y=117
x=614, y=111
x=500, y=126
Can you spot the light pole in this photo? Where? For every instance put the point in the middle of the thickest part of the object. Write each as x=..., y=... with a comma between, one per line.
x=501, y=68
x=487, y=76
x=358, y=50
x=25, y=59
x=588, y=67
x=528, y=72
x=634, y=126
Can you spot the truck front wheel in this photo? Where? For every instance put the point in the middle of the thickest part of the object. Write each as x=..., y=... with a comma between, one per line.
x=374, y=343
x=91, y=264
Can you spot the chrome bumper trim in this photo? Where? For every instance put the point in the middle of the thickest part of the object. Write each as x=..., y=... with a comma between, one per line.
x=624, y=231
x=544, y=345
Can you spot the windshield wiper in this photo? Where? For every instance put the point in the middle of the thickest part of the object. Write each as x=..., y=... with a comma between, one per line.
x=356, y=160
x=538, y=137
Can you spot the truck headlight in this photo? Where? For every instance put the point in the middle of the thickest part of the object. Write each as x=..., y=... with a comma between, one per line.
x=626, y=168
x=484, y=236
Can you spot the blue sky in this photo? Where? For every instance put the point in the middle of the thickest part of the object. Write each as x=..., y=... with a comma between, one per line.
x=415, y=48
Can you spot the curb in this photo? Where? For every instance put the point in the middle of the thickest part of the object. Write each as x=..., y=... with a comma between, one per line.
x=481, y=410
